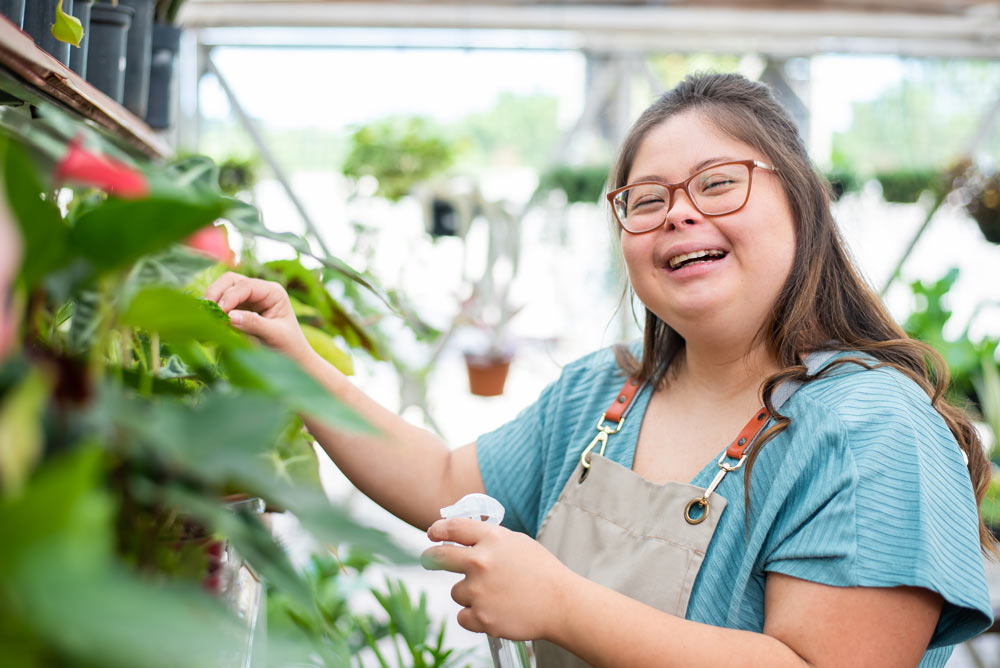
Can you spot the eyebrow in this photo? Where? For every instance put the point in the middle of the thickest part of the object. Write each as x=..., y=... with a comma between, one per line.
x=694, y=170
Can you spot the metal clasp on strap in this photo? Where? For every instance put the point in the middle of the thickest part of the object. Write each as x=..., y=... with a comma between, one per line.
x=603, y=431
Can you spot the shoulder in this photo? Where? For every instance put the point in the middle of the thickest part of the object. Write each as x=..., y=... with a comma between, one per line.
x=873, y=408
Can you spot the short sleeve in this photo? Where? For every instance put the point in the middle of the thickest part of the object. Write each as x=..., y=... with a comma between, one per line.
x=510, y=463
x=881, y=497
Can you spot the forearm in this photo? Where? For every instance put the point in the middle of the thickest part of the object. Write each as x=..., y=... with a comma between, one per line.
x=405, y=469
x=626, y=633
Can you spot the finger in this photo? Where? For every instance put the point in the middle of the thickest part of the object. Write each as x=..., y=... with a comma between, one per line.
x=468, y=619
x=453, y=558
x=253, y=324
x=253, y=293
x=461, y=593
x=220, y=285
x=459, y=530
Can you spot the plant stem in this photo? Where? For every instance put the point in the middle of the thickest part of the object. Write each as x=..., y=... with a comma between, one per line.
x=154, y=354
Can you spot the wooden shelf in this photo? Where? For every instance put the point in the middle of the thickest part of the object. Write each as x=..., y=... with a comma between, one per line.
x=56, y=83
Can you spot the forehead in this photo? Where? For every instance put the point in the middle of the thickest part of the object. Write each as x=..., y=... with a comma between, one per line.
x=672, y=149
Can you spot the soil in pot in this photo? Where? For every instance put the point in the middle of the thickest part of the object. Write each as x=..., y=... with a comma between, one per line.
x=13, y=10
x=106, y=52
x=39, y=15
x=487, y=373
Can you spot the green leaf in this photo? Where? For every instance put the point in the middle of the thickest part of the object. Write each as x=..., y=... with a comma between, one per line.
x=58, y=501
x=21, y=431
x=250, y=538
x=325, y=346
x=176, y=267
x=246, y=218
x=109, y=617
x=180, y=318
x=223, y=438
x=45, y=234
x=197, y=171
x=274, y=374
x=119, y=232
x=67, y=28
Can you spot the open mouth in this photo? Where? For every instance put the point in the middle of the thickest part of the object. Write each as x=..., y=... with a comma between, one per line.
x=696, y=257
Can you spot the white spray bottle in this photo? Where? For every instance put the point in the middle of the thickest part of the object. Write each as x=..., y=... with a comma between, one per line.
x=506, y=653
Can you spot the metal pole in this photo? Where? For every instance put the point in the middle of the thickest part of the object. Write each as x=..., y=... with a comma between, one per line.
x=265, y=152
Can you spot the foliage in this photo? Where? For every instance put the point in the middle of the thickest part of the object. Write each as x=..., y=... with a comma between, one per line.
x=923, y=122
x=581, y=184
x=236, y=175
x=67, y=28
x=399, y=153
x=165, y=11
x=131, y=413
x=906, y=185
x=345, y=634
x=517, y=129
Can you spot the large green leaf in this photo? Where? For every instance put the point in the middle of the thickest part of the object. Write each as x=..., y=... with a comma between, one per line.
x=197, y=171
x=21, y=430
x=246, y=218
x=60, y=502
x=180, y=318
x=119, y=232
x=109, y=617
x=42, y=228
x=175, y=267
x=222, y=438
x=273, y=373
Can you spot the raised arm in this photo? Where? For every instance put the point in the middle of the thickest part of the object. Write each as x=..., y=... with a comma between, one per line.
x=409, y=471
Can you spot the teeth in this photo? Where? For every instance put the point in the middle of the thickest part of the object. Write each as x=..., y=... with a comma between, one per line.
x=681, y=259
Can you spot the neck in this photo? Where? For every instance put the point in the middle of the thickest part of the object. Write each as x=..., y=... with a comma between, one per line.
x=725, y=374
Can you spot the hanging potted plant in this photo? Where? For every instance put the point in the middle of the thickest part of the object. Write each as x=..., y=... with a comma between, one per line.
x=13, y=10
x=52, y=27
x=984, y=203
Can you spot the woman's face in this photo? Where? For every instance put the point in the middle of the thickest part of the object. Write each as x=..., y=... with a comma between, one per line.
x=729, y=295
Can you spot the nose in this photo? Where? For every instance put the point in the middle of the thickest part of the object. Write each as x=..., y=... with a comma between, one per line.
x=681, y=211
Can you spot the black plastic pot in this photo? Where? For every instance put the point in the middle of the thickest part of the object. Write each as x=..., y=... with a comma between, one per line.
x=166, y=44
x=78, y=56
x=39, y=15
x=140, y=48
x=106, y=53
x=13, y=10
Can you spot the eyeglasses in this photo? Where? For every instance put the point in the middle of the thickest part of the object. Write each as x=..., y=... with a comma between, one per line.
x=714, y=191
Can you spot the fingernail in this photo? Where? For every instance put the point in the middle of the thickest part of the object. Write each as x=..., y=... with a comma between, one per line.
x=236, y=317
x=222, y=303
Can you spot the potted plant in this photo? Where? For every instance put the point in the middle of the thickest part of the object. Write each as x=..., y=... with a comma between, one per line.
x=106, y=52
x=166, y=43
x=490, y=348
x=983, y=202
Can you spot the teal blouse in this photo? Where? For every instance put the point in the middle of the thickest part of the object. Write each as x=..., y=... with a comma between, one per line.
x=866, y=487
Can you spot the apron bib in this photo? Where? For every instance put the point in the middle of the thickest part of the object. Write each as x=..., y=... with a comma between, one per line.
x=641, y=539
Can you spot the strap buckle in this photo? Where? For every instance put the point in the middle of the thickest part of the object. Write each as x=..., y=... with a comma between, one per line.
x=603, y=431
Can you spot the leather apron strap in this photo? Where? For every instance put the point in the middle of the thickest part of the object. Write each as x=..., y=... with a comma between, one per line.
x=644, y=540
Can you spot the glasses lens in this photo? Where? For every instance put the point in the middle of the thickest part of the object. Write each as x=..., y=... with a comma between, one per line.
x=641, y=207
x=720, y=189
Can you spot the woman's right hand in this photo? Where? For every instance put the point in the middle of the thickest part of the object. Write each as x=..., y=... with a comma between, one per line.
x=261, y=309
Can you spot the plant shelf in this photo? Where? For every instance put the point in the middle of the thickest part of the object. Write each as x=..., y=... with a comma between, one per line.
x=30, y=75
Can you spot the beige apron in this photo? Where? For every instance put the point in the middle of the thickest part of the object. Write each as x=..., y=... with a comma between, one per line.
x=641, y=539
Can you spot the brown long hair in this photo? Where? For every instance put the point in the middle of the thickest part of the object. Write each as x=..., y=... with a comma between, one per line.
x=824, y=298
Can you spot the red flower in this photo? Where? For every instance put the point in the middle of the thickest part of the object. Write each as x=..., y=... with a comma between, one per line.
x=85, y=168
x=214, y=242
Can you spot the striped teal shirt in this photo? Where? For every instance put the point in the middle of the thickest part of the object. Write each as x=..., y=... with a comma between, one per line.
x=866, y=487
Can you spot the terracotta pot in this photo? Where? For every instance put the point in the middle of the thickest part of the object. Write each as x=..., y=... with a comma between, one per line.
x=487, y=374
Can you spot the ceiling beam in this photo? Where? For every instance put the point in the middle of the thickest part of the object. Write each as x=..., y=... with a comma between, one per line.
x=643, y=28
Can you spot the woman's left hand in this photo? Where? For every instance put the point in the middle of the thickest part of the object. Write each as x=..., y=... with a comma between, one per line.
x=513, y=587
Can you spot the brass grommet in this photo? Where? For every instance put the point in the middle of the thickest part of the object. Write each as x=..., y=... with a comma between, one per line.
x=687, y=511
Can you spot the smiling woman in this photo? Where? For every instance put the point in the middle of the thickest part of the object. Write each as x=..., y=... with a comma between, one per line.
x=860, y=541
